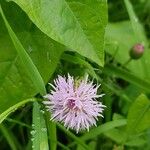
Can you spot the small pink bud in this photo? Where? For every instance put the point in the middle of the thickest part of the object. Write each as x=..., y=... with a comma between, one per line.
x=137, y=51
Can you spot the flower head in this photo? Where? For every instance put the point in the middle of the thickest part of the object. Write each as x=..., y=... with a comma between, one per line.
x=73, y=102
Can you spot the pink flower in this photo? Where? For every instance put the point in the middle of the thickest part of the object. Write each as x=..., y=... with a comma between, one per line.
x=73, y=103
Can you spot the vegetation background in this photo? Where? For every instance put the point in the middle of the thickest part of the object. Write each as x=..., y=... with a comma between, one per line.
x=40, y=39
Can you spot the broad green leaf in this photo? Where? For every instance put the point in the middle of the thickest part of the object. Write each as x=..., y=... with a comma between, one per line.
x=39, y=132
x=25, y=58
x=138, y=116
x=120, y=39
x=15, y=83
x=79, y=25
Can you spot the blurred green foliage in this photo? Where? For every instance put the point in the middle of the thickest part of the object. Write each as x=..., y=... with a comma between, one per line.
x=41, y=39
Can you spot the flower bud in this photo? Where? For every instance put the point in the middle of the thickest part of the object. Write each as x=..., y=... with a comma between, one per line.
x=137, y=51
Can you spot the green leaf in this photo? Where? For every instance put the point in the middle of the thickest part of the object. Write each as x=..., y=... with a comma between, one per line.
x=120, y=48
x=51, y=129
x=138, y=116
x=17, y=122
x=103, y=128
x=128, y=76
x=116, y=135
x=39, y=132
x=5, y=114
x=78, y=60
x=136, y=141
x=99, y=130
x=26, y=60
x=15, y=83
x=120, y=137
x=136, y=26
x=64, y=147
x=79, y=25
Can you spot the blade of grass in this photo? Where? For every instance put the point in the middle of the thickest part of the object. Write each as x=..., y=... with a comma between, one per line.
x=5, y=114
x=128, y=76
x=62, y=146
x=51, y=127
x=39, y=132
x=18, y=122
x=8, y=137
